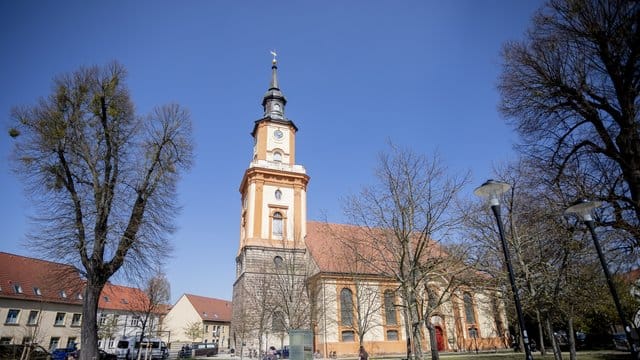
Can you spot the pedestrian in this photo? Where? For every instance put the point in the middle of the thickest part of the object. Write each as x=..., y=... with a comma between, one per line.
x=271, y=354
x=362, y=354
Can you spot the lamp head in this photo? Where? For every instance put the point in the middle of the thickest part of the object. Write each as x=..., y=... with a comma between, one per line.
x=583, y=208
x=492, y=190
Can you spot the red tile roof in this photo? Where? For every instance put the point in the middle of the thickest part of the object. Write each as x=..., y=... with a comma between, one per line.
x=333, y=248
x=117, y=297
x=55, y=282
x=211, y=309
x=51, y=279
x=632, y=275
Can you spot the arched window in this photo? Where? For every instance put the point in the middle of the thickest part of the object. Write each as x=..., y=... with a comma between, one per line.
x=346, y=307
x=468, y=308
x=277, y=223
x=390, y=308
x=278, y=262
x=277, y=156
x=278, y=194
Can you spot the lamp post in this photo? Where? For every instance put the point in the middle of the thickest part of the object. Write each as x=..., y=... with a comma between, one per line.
x=492, y=191
x=583, y=209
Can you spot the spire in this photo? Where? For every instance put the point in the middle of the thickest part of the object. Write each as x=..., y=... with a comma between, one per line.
x=274, y=101
x=274, y=72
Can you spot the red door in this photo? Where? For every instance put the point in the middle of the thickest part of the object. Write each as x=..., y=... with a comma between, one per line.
x=439, y=338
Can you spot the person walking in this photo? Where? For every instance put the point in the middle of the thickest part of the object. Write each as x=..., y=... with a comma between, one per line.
x=362, y=354
x=271, y=354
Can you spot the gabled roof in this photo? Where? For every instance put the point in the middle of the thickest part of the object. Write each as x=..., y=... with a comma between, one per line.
x=211, y=309
x=351, y=249
x=39, y=280
x=334, y=247
x=60, y=283
x=117, y=297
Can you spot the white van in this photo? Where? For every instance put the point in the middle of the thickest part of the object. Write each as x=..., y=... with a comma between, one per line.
x=149, y=348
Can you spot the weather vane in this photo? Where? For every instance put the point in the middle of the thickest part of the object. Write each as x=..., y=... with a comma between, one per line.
x=273, y=52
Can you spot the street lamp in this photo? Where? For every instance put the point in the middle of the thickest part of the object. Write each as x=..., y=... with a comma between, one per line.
x=492, y=191
x=583, y=209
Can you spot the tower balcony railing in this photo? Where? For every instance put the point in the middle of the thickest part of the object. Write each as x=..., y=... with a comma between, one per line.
x=278, y=166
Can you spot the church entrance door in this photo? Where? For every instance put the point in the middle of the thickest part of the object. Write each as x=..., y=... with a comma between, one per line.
x=439, y=338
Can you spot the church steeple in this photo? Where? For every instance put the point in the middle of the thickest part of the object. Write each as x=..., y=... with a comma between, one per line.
x=274, y=101
x=274, y=187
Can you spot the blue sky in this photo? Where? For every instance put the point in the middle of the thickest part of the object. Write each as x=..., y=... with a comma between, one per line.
x=356, y=74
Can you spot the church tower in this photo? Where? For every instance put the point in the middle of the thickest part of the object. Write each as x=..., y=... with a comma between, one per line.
x=273, y=220
x=274, y=188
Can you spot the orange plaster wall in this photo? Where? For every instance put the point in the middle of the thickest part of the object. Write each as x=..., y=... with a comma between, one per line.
x=292, y=146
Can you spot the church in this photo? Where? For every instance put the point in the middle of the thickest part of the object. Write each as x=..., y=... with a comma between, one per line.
x=293, y=274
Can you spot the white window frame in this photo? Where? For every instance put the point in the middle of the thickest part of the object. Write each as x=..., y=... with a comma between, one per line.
x=13, y=317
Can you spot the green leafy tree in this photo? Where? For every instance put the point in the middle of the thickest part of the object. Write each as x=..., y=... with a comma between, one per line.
x=103, y=179
x=193, y=330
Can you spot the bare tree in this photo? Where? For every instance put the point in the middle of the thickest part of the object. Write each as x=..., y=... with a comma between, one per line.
x=242, y=321
x=362, y=295
x=556, y=269
x=260, y=297
x=290, y=289
x=33, y=332
x=571, y=89
x=148, y=304
x=103, y=179
x=403, y=214
x=109, y=328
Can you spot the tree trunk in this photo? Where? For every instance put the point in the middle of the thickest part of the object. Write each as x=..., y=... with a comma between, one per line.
x=408, y=320
x=433, y=341
x=417, y=341
x=89, y=330
x=572, y=339
x=541, y=346
x=416, y=335
x=261, y=346
x=556, y=349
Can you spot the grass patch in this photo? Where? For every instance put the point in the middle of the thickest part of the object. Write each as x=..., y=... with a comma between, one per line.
x=580, y=355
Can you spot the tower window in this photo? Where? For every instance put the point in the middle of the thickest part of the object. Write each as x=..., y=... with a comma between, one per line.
x=278, y=194
x=278, y=262
x=277, y=156
x=277, y=223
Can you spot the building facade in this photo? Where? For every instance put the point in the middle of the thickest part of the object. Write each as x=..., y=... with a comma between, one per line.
x=41, y=303
x=199, y=319
x=286, y=279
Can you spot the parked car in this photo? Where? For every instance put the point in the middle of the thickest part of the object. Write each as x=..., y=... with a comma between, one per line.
x=283, y=353
x=205, y=350
x=102, y=355
x=128, y=347
x=15, y=351
x=620, y=342
x=185, y=352
x=64, y=353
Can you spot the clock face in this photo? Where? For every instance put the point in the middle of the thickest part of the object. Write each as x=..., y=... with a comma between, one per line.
x=278, y=134
x=276, y=107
